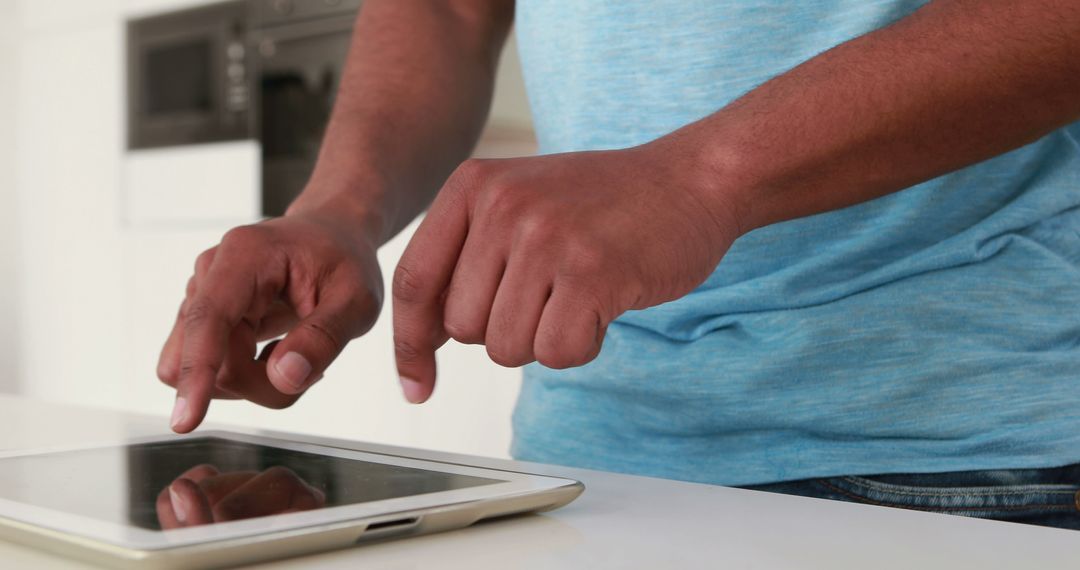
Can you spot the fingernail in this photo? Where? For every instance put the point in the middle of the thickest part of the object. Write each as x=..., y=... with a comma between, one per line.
x=414, y=391
x=178, y=505
x=179, y=412
x=294, y=370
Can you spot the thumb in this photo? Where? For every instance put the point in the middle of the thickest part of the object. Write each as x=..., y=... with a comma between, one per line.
x=301, y=358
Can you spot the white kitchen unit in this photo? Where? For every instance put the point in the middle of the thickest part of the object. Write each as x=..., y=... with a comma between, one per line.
x=102, y=272
x=9, y=342
x=191, y=186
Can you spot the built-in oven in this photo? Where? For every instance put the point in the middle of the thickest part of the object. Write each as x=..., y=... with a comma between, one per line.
x=190, y=77
x=266, y=70
x=302, y=47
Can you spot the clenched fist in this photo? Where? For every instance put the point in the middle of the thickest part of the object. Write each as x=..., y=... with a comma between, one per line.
x=534, y=257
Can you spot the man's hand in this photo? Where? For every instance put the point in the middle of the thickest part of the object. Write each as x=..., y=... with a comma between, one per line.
x=315, y=278
x=534, y=257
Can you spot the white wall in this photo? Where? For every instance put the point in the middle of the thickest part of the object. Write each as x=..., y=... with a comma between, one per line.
x=511, y=104
x=99, y=296
x=9, y=341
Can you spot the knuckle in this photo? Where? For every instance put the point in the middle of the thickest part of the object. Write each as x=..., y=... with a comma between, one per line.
x=537, y=228
x=507, y=343
x=406, y=351
x=203, y=261
x=198, y=312
x=243, y=237
x=407, y=284
x=167, y=374
x=558, y=349
x=328, y=332
x=498, y=201
x=547, y=346
x=584, y=257
x=228, y=381
x=472, y=170
x=507, y=356
x=557, y=357
x=189, y=366
x=230, y=378
x=465, y=331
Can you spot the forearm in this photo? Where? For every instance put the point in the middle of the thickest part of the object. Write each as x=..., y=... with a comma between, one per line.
x=415, y=94
x=957, y=82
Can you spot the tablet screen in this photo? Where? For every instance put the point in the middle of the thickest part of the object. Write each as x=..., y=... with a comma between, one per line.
x=200, y=481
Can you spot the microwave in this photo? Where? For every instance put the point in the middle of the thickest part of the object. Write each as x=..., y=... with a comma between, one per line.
x=260, y=70
x=190, y=77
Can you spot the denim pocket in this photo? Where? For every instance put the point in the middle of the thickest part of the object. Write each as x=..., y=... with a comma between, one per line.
x=1012, y=495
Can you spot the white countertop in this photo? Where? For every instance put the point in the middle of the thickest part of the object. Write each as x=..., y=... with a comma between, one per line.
x=620, y=522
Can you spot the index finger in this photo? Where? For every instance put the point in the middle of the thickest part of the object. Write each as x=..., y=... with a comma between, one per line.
x=219, y=306
x=422, y=274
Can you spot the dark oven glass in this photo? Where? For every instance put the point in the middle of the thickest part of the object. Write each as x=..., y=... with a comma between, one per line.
x=301, y=71
x=177, y=79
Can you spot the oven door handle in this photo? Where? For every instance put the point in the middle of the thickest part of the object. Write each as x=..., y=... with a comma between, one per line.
x=267, y=39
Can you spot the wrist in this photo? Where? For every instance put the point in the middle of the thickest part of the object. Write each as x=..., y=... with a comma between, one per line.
x=714, y=177
x=359, y=202
x=731, y=174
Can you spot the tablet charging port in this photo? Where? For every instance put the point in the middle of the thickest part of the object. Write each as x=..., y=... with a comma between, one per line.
x=391, y=524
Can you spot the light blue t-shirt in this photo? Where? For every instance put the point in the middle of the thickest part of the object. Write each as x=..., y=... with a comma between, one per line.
x=935, y=329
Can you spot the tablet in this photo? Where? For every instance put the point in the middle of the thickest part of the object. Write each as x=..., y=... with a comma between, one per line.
x=220, y=498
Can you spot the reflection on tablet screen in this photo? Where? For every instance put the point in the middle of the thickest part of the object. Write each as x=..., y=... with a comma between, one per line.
x=206, y=480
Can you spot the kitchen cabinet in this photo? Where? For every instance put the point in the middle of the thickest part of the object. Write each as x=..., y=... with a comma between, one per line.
x=59, y=16
x=68, y=140
x=9, y=303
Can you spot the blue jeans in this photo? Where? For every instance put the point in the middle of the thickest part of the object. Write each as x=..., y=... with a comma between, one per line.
x=1047, y=497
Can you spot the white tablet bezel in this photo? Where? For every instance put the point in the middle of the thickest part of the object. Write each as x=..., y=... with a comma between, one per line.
x=131, y=537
